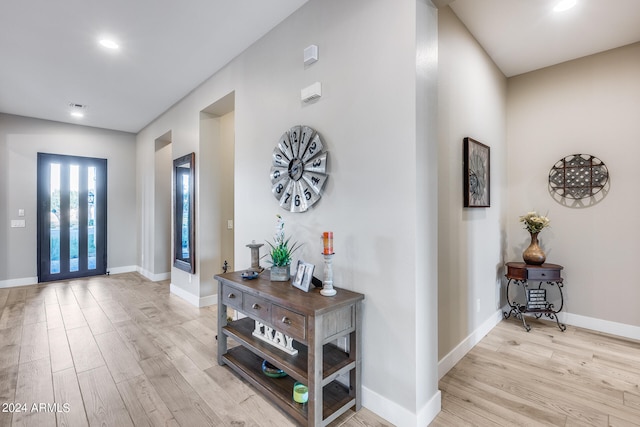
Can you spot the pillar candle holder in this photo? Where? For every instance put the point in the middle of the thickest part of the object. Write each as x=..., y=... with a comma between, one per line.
x=255, y=256
x=327, y=283
x=327, y=242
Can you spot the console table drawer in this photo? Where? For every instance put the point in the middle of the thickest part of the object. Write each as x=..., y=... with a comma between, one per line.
x=543, y=274
x=232, y=297
x=289, y=322
x=257, y=307
x=517, y=272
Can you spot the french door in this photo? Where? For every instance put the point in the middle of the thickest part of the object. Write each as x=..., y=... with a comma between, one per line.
x=72, y=217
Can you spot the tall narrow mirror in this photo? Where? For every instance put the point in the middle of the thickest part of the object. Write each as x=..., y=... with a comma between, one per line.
x=184, y=213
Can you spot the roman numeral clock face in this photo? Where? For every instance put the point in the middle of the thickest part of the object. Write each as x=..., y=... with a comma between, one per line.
x=298, y=169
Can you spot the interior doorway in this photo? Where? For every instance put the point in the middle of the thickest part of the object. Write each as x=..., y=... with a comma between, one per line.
x=71, y=216
x=216, y=190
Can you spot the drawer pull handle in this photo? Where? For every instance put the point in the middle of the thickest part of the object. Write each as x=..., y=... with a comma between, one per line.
x=286, y=320
x=255, y=307
x=231, y=296
x=542, y=274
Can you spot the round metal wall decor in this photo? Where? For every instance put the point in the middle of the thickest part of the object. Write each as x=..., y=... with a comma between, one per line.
x=578, y=176
x=298, y=169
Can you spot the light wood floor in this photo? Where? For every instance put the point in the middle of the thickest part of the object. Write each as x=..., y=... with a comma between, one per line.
x=544, y=378
x=121, y=351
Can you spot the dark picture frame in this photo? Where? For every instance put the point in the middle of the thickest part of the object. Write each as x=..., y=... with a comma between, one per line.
x=303, y=276
x=477, y=174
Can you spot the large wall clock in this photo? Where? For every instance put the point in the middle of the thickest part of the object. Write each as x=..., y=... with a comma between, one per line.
x=298, y=169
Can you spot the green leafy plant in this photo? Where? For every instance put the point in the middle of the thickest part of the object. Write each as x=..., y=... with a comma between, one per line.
x=281, y=251
x=533, y=222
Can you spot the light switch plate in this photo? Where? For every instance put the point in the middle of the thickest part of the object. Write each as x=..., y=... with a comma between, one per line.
x=17, y=223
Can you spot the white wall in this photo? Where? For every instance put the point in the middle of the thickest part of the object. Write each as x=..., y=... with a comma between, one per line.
x=215, y=203
x=368, y=118
x=162, y=211
x=227, y=138
x=590, y=105
x=426, y=234
x=7, y=212
x=21, y=138
x=472, y=241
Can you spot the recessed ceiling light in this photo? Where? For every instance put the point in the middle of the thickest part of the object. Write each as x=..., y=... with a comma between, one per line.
x=77, y=110
x=109, y=44
x=564, y=5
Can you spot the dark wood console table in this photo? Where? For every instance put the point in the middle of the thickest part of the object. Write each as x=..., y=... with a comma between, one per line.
x=520, y=274
x=314, y=322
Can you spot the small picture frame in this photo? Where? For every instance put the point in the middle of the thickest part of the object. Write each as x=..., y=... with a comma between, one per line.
x=477, y=178
x=303, y=276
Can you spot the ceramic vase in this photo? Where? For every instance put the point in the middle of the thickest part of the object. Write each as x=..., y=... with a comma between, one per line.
x=280, y=273
x=534, y=255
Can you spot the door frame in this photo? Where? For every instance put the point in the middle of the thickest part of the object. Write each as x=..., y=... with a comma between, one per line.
x=44, y=217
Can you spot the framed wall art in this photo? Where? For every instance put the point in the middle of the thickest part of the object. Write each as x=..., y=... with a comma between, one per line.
x=476, y=174
x=303, y=276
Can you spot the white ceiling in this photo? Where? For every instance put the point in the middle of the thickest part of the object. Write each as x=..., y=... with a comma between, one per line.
x=526, y=35
x=50, y=56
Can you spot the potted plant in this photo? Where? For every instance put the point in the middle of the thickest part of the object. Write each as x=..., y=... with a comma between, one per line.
x=281, y=254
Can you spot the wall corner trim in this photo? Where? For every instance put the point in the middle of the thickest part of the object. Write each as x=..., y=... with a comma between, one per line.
x=455, y=355
x=193, y=299
x=398, y=415
x=152, y=276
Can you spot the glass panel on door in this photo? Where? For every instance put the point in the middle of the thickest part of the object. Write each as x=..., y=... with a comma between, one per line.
x=91, y=217
x=74, y=198
x=54, y=218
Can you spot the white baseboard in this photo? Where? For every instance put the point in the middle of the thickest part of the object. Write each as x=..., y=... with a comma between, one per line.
x=208, y=300
x=454, y=356
x=152, y=276
x=18, y=282
x=34, y=280
x=599, y=325
x=124, y=269
x=398, y=415
x=193, y=299
x=430, y=411
x=187, y=296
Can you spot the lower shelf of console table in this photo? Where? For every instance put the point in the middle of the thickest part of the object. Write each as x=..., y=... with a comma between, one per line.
x=335, y=396
x=318, y=364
